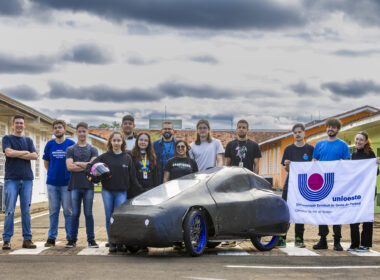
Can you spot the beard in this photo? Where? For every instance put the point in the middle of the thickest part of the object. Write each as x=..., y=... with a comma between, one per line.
x=59, y=136
x=167, y=135
x=242, y=135
x=332, y=134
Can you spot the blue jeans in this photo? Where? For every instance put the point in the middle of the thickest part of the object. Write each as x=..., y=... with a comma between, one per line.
x=12, y=189
x=77, y=195
x=111, y=200
x=59, y=195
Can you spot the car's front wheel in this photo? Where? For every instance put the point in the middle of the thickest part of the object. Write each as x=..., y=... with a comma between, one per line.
x=195, y=233
x=264, y=243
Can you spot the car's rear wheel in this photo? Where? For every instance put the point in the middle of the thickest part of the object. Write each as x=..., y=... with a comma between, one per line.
x=195, y=233
x=264, y=243
x=212, y=244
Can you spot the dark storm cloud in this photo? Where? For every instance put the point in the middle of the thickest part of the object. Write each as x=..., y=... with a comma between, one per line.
x=205, y=59
x=353, y=53
x=87, y=53
x=208, y=14
x=32, y=65
x=11, y=7
x=99, y=93
x=107, y=93
x=302, y=88
x=354, y=88
x=22, y=93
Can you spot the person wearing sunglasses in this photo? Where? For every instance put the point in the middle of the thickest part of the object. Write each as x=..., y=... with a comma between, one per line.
x=181, y=164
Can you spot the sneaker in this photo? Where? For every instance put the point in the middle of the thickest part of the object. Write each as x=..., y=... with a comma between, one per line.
x=28, y=244
x=363, y=249
x=321, y=245
x=50, y=243
x=107, y=244
x=7, y=245
x=112, y=248
x=299, y=243
x=337, y=246
x=121, y=248
x=71, y=244
x=281, y=243
x=92, y=244
x=352, y=249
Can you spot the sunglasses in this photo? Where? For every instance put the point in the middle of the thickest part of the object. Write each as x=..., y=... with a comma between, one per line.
x=181, y=147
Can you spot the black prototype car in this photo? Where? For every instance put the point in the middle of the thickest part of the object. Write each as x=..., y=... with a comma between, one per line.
x=201, y=210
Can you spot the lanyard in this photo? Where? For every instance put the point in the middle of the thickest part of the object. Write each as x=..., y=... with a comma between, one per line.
x=167, y=153
x=144, y=162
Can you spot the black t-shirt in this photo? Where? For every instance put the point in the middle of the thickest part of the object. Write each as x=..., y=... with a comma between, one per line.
x=179, y=167
x=245, y=151
x=151, y=180
x=298, y=154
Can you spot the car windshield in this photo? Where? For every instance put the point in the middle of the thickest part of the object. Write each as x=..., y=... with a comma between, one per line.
x=163, y=192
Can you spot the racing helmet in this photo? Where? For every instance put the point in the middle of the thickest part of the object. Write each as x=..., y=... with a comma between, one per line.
x=98, y=172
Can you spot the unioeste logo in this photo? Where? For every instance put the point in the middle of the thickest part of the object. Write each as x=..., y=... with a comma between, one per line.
x=316, y=187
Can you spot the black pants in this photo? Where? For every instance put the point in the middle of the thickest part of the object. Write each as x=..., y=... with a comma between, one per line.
x=366, y=236
x=324, y=231
x=299, y=228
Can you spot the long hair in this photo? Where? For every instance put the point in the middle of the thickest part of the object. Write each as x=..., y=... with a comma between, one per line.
x=187, y=147
x=198, y=137
x=367, y=146
x=150, y=154
x=123, y=144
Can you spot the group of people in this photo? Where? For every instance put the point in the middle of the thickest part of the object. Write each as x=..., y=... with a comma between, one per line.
x=138, y=165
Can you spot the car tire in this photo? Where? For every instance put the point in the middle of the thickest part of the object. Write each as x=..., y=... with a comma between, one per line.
x=262, y=245
x=195, y=233
x=212, y=244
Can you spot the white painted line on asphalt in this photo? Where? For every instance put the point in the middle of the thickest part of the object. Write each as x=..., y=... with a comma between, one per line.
x=200, y=278
x=32, y=217
x=234, y=252
x=290, y=250
x=101, y=251
x=304, y=267
x=40, y=247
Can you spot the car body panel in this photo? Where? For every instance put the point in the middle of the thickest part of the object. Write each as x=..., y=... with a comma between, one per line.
x=238, y=204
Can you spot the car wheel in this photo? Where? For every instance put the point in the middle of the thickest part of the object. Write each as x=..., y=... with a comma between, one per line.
x=133, y=249
x=211, y=244
x=264, y=243
x=195, y=233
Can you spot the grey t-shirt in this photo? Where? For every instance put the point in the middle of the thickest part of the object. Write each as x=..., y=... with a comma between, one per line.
x=78, y=180
x=205, y=153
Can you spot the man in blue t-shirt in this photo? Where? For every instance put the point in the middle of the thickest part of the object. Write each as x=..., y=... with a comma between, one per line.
x=331, y=149
x=18, y=181
x=57, y=181
x=164, y=148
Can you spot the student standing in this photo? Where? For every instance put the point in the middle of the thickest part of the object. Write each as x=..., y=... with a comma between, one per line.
x=144, y=160
x=77, y=158
x=18, y=181
x=115, y=189
x=128, y=126
x=180, y=165
x=206, y=151
x=58, y=178
x=242, y=151
x=297, y=152
x=164, y=148
x=362, y=242
x=331, y=149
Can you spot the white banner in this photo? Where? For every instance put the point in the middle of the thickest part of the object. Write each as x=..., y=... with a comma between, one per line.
x=332, y=192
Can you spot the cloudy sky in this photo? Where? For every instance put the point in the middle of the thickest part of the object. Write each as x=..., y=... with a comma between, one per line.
x=272, y=62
